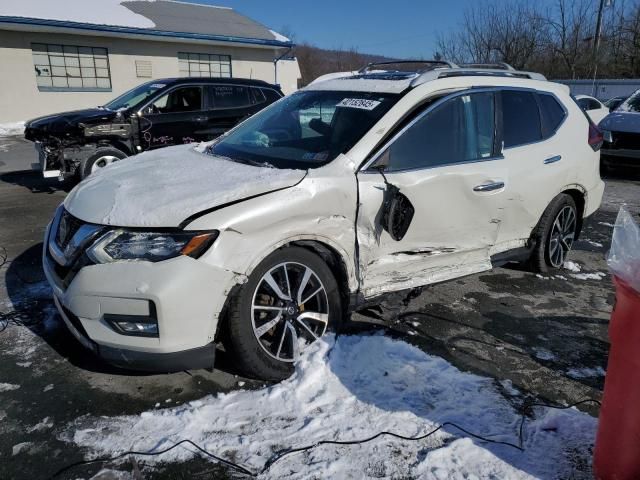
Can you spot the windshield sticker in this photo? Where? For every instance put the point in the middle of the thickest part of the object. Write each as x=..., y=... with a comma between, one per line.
x=361, y=103
x=157, y=85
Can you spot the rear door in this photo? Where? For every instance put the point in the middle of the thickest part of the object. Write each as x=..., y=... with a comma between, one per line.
x=177, y=117
x=537, y=157
x=230, y=104
x=446, y=162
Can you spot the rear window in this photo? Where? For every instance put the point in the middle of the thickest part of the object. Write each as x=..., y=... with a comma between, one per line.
x=230, y=96
x=520, y=118
x=552, y=114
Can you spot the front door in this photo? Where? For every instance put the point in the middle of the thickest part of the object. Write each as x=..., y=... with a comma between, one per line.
x=176, y=117
x=446, y=162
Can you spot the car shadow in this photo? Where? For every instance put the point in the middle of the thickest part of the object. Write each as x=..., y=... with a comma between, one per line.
x=33, y=308
x=35, y=182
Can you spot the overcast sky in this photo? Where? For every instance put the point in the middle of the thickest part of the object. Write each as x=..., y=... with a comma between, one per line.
x=400, y=28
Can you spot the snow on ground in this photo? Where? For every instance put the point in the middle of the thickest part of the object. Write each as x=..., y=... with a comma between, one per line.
x=571, y=266
x=100, y=12
x=349, y=389
x=14, y=128
x=586, y=372
x=589, y=276
x=7, y=387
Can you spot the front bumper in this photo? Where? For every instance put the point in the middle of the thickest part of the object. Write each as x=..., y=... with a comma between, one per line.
x=187, y=297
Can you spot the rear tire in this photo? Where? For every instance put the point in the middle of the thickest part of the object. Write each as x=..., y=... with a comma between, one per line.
x=101, y=158
x=265, y=329
x=555, y=234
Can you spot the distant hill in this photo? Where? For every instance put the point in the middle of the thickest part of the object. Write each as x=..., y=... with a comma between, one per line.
x=316, y=61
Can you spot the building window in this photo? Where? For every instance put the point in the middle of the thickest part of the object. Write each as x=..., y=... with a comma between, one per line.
x=70, y=67
x=204, y=65
x=143, y=69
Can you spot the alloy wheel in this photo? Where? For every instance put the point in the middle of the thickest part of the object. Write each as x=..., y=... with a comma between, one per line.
x=289, y=310
x=562, y=236
x=102, y=162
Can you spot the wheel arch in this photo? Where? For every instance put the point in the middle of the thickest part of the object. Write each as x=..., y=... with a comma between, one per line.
x=579, y=195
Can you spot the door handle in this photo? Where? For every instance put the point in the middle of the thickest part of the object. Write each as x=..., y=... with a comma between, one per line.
x=553, y=159
x=488, y=187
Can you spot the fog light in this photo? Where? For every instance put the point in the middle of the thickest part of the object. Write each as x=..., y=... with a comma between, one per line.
x=137, y=328
x=135, y=325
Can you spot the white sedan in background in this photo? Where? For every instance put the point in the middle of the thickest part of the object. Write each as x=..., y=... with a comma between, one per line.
x=594, y=108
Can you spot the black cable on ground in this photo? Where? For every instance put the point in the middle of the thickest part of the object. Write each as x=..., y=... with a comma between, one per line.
x=276, y=457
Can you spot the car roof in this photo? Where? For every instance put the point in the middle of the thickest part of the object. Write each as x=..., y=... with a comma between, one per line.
x=216, y=80
x=578, y=97
x=383, y=78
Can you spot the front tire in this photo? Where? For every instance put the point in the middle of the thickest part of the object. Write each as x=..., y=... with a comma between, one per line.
x=101, y=158
x=555, y=234
x=290, y=300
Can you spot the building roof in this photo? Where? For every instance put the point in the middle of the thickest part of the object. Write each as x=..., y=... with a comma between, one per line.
x=159, y=18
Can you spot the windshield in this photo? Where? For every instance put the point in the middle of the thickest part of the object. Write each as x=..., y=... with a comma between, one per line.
x=134, y=96
x=305, y=130
x=631, y=104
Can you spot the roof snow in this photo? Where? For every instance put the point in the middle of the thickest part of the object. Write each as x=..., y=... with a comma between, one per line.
x=160, y=15
x=99, y=12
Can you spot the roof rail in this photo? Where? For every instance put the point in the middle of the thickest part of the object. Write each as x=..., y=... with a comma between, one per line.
x=492, y=66
x=428, y=65
x=473, y=72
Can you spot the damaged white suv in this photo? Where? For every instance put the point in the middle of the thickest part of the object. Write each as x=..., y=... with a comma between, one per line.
x=359, y=184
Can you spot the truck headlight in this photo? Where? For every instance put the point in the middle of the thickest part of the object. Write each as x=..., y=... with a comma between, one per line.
x=607, y=136
x=131, y=245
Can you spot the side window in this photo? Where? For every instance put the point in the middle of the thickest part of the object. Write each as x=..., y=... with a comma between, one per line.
x=594, y=105
x=257, y=96
x=583, y=103
x=230, y=96
x=520, y=118
x=552, y=114
x=185, y=99
x=459, y=130
x=271, y=95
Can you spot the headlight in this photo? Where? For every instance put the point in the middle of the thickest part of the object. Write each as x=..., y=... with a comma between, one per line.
x=608, y=137
x=118, y=245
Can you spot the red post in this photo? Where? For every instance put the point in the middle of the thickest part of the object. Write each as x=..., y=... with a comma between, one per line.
x=617, y=451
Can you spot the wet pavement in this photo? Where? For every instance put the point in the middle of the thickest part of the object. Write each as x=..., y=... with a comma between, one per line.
x=546, y=335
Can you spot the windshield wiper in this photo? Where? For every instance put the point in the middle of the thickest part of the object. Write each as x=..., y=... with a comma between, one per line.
x=244, y=161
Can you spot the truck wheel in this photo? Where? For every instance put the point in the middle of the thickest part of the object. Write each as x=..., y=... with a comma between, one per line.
x=555, y=234
x=101, y=158
x=290, y=300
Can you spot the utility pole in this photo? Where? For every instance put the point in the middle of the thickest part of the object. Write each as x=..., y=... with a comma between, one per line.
x=596, y=41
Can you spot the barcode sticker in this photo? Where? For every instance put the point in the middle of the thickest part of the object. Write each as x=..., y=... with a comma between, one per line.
x=361, y=103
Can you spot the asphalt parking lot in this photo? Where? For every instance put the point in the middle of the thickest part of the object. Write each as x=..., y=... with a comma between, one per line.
x=545, y=334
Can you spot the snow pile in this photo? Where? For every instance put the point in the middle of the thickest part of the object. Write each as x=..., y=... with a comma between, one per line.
x=7, y=387
x=161, y=188
x=586, y=372
x=571, y=266
x=15, y=128
x=99, y=12
x=349, y=389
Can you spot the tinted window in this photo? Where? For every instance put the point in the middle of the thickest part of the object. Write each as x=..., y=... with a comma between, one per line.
x=258, y=96
x=461, y=129
x=583, y=103
x=271, y=95
x=552, y=114
x=230, y=96
x=520, y=118
x=184, y=99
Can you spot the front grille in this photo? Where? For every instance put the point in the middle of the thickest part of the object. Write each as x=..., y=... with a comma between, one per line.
x=624, y=140
x=67, y=228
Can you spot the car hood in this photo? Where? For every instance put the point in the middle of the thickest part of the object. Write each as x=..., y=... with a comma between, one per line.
x=165, y=187
x=618, y=121
x=66, y=122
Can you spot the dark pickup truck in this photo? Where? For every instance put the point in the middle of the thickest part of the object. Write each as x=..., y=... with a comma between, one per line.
x=153, y=115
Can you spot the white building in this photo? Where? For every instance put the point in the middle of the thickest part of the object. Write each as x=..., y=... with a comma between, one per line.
x=70, y=54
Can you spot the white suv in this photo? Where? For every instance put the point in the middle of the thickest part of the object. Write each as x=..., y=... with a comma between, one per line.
x=359, y=184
